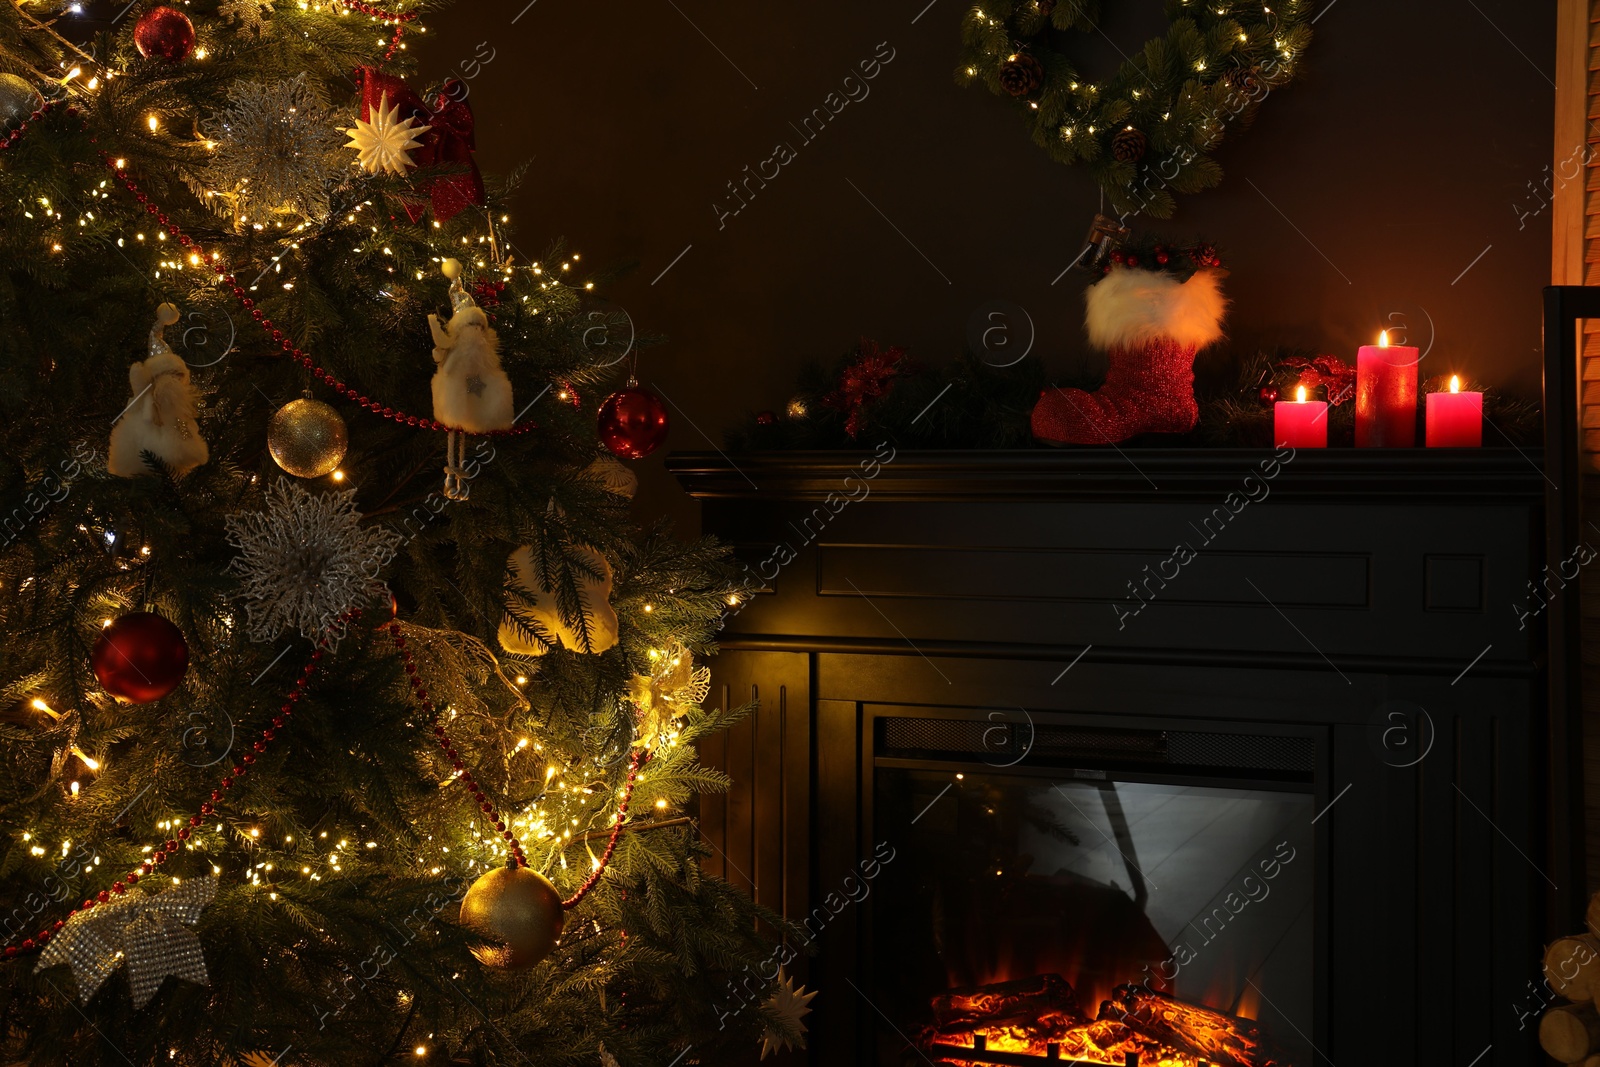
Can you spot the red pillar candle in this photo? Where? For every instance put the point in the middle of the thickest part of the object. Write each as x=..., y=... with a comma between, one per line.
x=1300, y=423
x=1386, y=395
x=1455, y=419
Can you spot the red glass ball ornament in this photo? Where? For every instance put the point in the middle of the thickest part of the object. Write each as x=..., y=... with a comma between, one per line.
x=164, y=33
x=1268, y=395
x=141, y=657
x=633, y=422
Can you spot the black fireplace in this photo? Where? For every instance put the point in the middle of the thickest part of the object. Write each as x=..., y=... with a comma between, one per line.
x=1040, y=786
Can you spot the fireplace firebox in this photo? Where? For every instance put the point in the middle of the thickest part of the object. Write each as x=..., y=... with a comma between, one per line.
x=1166, y=757
x=1055, y=883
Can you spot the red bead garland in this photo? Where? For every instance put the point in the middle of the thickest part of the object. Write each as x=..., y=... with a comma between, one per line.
x=639, y=756
x=10, y=139
x=397, y=19
x=518, y=859
x=166, y=848
x=226, y=277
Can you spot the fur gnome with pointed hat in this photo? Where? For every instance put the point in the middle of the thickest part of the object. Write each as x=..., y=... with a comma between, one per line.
x=470, y=390
x=161, y=419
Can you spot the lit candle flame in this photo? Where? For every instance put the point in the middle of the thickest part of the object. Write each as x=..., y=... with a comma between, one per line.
x=1300, y=395
x=1455, y=384
x=1383, y=338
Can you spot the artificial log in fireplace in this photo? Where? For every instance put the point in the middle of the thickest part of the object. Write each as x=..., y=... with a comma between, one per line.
x=1012, y=767
x=1040, y=1018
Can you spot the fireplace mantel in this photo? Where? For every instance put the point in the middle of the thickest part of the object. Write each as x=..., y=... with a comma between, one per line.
x=1329, y=592
x=1485, y=475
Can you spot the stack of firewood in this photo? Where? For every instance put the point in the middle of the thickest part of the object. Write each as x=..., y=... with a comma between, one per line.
x=1571, y=1032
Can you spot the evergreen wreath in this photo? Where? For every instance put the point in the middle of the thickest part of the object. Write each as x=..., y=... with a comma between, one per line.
x=1146, y=133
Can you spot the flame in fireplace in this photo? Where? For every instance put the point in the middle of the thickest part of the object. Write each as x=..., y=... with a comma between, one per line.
x=1099, y=1042
x=1090, y=933
x=1042, y=1016
x=1249, y=1005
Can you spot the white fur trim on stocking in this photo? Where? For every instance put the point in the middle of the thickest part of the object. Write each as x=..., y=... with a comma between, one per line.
x=1131, y=307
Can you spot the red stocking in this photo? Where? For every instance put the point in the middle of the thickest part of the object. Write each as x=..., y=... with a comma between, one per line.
x=1151, y=323
x=1149, y=389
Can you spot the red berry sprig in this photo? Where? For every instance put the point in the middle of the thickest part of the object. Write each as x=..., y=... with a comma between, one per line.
x=229, y=780
x=227, y=278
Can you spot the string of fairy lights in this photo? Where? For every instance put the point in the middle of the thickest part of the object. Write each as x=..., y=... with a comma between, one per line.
x=74, y=82
x=323, y=857
x=575, y=802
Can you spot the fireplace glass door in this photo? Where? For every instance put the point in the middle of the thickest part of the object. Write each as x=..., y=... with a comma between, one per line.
x=1092, y=918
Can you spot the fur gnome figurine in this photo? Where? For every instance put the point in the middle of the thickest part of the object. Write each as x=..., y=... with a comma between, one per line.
x=161, y=417
x=1151, y=314
x=470, y=391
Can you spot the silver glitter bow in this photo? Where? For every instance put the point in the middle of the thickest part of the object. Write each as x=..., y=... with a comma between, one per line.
x=148, y=930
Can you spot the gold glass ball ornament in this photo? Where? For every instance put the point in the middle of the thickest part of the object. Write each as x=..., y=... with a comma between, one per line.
x=307, y=438
x=517, y=913
x=18, y=101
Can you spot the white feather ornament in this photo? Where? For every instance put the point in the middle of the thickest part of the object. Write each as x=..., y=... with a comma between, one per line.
x=532, y=599
x=161, y=417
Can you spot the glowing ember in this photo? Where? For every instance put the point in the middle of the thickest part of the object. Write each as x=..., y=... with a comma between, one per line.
x=1039, y=1016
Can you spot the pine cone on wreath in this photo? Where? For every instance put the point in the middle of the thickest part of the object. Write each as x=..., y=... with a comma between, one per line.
x=1128, y=146
x=1022, y=75
x=1243, y=82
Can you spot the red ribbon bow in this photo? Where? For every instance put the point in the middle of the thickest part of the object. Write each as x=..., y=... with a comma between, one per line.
x=448, y=142
x=1338, y=376
x=865, y=380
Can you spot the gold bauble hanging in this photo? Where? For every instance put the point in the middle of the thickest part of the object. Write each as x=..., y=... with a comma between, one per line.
x=307, y=438
x=517, y=913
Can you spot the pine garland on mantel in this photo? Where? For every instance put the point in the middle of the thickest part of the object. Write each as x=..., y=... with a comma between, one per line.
x=1147, y=132
x=973, y=404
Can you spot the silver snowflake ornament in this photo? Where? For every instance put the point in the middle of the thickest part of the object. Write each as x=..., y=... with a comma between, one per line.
x=306, y=560
x=383, y=143
x=274, y=149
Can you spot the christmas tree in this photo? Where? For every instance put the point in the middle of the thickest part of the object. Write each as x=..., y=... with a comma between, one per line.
x=348, y=714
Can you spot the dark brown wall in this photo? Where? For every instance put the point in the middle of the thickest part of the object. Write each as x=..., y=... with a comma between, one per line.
x=1357, y=200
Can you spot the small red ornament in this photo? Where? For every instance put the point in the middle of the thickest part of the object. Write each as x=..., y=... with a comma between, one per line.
x=766, y=418
x=141, y=657
x=1268, y=395
x=164, y=33
x=633, y=422
x=488, y=293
